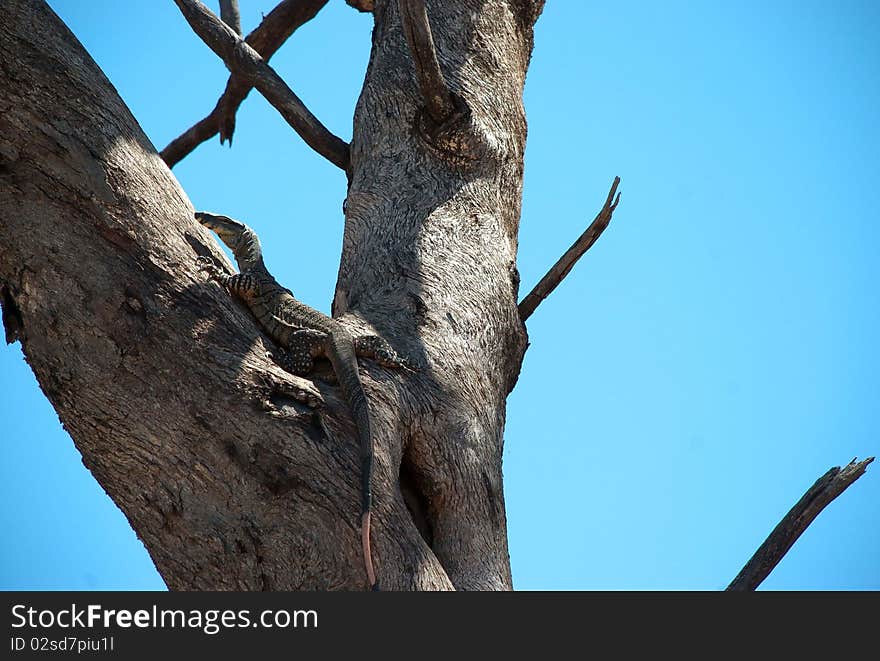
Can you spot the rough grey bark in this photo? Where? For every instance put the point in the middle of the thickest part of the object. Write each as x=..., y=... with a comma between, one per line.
x=235, y=474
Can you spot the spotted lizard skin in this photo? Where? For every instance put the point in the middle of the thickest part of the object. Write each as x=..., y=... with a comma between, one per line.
x=304, y=334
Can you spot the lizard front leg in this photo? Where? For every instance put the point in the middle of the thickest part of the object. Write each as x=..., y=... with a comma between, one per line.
x=243, y=285
x=377, y=349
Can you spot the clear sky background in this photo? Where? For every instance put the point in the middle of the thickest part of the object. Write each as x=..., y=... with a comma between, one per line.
x=711, y=356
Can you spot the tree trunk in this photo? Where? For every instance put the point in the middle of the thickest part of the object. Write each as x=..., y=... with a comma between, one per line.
x=234, y=473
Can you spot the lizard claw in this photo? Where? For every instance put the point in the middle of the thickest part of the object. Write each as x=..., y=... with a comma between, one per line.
x=403, y=363
x=377, y=349
x=409, y=366
x=207, y=265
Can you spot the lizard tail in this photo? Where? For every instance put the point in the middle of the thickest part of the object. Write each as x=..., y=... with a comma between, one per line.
x=342, y=357
x=368, y=555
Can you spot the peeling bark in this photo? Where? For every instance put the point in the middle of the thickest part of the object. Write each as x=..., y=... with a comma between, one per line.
x=235, y=474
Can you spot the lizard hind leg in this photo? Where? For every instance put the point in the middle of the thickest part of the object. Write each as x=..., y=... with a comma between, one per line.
x=303, y=346
x=378, y=350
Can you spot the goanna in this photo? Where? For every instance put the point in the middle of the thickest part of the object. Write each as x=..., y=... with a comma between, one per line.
x=305, y=334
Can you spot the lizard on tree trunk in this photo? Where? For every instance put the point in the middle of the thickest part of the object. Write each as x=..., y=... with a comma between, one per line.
x=305, y=334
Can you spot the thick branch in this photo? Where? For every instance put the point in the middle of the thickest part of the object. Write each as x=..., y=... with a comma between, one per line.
x=266, y=39
x=242, y=482
x=248, y=478
x=186, y=142
x=432, y=84
x=562, y=267
x=785, y=534
x=230, y=15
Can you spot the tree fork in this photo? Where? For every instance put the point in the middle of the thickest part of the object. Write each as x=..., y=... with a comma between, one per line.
x=237, y=484
x=248, y=479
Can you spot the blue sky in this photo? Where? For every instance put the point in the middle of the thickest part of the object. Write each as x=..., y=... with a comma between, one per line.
x=710, y=357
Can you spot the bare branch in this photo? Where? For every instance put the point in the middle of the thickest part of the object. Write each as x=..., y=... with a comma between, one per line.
x=266, y=39
x=183, y=144
x=785, y=534
x=435, y=92
x=562, y=267
x=230, y=15
x=243, y=60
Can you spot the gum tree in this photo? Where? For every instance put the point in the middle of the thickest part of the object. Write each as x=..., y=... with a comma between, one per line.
x=235, y=473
